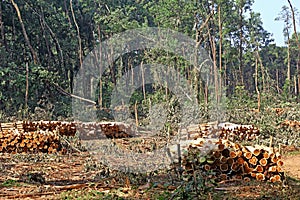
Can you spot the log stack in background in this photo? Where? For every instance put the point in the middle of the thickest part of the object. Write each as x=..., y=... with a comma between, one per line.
x=102, y=130
x=230, y=131
x=295, y=125
x=229, y=160
x=44, y=136
x=63, y=128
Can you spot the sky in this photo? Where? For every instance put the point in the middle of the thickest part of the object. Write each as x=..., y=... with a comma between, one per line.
x=269, y=10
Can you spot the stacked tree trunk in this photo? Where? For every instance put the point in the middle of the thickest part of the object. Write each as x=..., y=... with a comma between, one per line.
x=101, y=130
x=63, y=128
x=230, y=131
x=14, y=141
x=291, y=124
x=231, y=160
x=44, y=136
x=279, y=111
x=10, y=126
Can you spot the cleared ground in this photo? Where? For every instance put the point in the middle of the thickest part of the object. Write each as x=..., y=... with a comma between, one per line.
x=77, y=175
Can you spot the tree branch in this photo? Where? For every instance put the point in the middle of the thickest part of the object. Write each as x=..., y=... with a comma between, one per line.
x=61, y=90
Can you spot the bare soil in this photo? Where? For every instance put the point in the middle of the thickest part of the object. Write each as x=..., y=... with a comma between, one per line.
x=77, y=175
x=292, y=165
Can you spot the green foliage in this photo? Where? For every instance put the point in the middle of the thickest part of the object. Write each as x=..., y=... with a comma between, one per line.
x=199, y=185
x=52, y=33
x=10, y=183
x=93, y=194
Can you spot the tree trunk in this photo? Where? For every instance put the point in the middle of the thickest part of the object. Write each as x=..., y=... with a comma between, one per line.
x=295, y=85
x=298, y=44
x=2, y=33
x=143, y=80
x=100, y=97
x=256, y=84
x=241, y=44
x=80, y=53
x=220, y=49
x=136, y=114
x=298, y=74
x=294, y=24
x=288, y=64
x=45, y=38
x=214, y=57
x=33, y=53
x=277, y=81
x=67, y=13
x=262, y=70
x=27, y=87
x=199, y=39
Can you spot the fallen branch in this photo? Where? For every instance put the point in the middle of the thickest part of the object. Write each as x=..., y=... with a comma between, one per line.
x=70, y=145
x=61, y=90
x=22, y=196
x=70, y=187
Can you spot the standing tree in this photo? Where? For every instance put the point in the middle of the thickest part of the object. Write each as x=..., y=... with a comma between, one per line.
x=297, y=77
x=285, y=16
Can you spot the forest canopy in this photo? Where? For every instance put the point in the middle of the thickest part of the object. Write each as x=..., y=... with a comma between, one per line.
x=43, y=45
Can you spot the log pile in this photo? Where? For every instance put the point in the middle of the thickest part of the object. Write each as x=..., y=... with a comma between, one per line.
x=295, y=125
x=63, y=128
x=102, y=130
x=230, y=131
x=33, y=137
x=44, y=136
x=279, y=111
x=13, y=141
x=11, y=126
x=231, y=160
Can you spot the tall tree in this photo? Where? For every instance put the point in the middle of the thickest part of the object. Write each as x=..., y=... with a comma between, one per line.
x=297, y=88
x=285, y=16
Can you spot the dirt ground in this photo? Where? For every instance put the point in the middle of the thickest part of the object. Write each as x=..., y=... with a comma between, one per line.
x=78, y=176
x=292, y=165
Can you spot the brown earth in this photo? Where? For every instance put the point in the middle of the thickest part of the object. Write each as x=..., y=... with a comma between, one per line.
x=75, y=175
x=292, y=165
